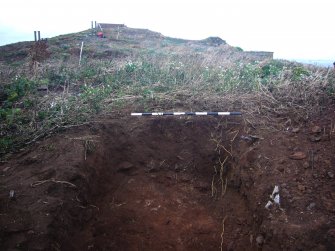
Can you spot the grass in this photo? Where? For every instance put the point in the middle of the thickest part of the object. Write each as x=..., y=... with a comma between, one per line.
x=150, y=77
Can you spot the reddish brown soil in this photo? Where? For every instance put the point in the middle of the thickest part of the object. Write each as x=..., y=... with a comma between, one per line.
x=146, y=184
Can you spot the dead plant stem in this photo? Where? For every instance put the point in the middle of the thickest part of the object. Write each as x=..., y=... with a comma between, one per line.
x=222, y=233
x=41, y=182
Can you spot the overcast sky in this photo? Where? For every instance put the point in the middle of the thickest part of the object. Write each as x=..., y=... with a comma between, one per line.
x=292, y=29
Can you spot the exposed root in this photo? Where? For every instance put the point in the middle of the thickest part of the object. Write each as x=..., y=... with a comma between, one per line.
x=41, y=182
x=222, y=233
x=221, y=174
x=89, y=143
x=214, y=190
x=225, y=188
x=89, y=147
x=219, y=145
x=221, y=171
x=235, y=136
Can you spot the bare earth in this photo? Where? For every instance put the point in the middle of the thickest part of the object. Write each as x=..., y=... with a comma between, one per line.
x=125, y=183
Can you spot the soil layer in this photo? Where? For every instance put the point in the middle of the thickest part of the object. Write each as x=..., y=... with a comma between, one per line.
x=172, y=183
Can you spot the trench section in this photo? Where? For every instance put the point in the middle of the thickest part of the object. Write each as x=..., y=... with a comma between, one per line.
x=164, y=183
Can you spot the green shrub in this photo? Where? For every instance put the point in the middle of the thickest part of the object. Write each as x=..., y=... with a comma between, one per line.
x=272, y=69
x=299, y=73
x=6, y=144
x=17, y=89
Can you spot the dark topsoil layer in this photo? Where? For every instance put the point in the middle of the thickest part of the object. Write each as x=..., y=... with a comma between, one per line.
x=157, y=184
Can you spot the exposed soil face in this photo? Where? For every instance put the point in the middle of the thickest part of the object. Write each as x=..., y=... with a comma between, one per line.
x=157, y=183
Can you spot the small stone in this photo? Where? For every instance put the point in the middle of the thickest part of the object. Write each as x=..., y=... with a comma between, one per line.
x=298, y=156
x=125, y=167
x=311, y=206
x=314, y=138
x=42, y=88
x=301, y=187
x=131, y=181
x=331, y=233
x=327, y=162
x=296, y=129
x=282, y=161
x=260, y=240
x=330, y=174
x=306, y=165
x=316, y=129
x=285, y=191
x=11, y=194
x=6, y=169
x=280, y=169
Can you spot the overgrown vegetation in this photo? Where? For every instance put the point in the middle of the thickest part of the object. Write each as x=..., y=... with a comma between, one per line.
x=76, y=94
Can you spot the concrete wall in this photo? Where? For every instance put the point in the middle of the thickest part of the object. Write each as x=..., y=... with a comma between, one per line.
x=258, y=55
x=110, y=26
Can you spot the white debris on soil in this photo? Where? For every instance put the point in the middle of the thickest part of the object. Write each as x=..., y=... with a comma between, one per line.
x=274, y=198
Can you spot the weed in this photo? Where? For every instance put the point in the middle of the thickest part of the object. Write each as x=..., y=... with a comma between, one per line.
x=5, y=144
x=299, y=73
x=17, y=89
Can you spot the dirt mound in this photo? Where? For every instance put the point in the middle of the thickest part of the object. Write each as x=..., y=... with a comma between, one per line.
x=172, y=184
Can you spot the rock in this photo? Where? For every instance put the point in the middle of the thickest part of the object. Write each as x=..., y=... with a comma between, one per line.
x=31, y=232
x=306, y=165
x=282, y=161
x=311, y=206
x=42, y=88
x=301, y=187
x=331, y=233
x=6, y=169
x=298, y=156
x=281, y=169
x=316, y=129
x=185, y=178
x=29, y=160
x=11, y=194
x=296, y=129
x=125, y=167
x=285, y=191
x=330, y=174
x=131, y=181
x=260, y=240
x=315, y=138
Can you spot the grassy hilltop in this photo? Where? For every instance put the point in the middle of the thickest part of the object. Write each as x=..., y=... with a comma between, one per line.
x=144, y=70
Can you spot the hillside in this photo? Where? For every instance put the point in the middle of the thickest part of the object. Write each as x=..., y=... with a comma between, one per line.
x=78, y=172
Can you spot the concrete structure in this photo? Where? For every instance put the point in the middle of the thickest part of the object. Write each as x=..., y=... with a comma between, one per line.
x=111, y=26
x=258, y=55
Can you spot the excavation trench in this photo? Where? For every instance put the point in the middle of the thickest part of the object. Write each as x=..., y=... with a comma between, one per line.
x=162, y=183
x=167, y=183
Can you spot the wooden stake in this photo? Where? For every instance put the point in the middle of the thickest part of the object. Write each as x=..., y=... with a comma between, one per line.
x=81, y=51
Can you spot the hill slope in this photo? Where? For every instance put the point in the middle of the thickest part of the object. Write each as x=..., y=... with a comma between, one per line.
x=79, y=173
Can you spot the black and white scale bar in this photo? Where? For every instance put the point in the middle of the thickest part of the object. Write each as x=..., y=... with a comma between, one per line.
x=186, y=113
